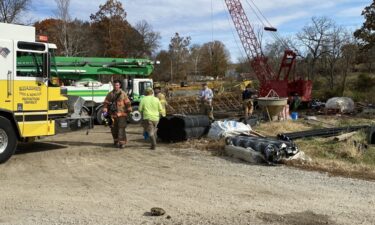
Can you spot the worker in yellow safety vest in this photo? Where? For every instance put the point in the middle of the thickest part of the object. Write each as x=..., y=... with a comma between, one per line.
x=162, y=99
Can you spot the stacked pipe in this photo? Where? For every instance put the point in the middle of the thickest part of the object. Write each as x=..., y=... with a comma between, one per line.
x=273, y=150
x=326, y=132
x=180, y=127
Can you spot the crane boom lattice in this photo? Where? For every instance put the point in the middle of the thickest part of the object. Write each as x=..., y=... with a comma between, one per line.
x=269, y=80
x=249, y=40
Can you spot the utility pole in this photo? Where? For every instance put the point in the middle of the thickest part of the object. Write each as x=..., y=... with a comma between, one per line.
x=196, y=63
x=171, y=70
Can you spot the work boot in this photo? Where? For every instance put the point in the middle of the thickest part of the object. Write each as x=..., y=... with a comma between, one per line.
x=120, y=145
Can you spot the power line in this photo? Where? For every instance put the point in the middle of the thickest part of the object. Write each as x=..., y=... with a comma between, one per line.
x=274, y=34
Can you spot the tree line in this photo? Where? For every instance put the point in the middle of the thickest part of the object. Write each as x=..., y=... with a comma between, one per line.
x=327, y=52
x=109, y=34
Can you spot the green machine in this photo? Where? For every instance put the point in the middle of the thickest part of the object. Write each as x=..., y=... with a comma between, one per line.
x=82, y=76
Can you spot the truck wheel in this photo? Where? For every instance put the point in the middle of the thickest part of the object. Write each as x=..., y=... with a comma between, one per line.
x=136, y=117
x=8, y=140
x=99, y=116
x=86, y=113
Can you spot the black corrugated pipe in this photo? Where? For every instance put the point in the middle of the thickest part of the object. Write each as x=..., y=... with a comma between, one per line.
x=180, y=128
x=326, y=132
x=371, y=135
x=272, y=149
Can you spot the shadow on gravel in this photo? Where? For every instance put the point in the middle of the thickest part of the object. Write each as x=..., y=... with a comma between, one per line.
x=83, y=143
x=102, y=145
x=38, y=147
x=298, y=218
x=147, y=214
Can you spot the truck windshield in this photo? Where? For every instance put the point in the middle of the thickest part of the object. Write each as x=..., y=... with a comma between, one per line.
x=29, y=64
x=143, y=86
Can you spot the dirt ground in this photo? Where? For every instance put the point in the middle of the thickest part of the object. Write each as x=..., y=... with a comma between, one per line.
x=79, y=179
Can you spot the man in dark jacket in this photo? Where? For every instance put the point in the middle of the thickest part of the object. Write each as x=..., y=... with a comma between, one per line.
x=118, y=105
x=247, y=97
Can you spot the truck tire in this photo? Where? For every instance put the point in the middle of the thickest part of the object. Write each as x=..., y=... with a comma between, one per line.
x=8, y=140
x=99, y=116
x=136, y=116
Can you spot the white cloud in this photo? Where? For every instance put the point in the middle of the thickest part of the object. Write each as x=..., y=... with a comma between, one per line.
x=196, y=18
x=350, y=12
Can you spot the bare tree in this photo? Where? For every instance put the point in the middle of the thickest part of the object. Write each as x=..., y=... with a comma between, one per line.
x=275, y=52
x=151, y=39
x=179, y=53
x=62, y=13
x=72, y=35
x=195, y=56
x=337, y=38
x=349, y=54
x=10, y=10
x=314, y=38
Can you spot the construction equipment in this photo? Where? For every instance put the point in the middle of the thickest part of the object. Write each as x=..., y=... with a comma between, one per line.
x=30, y=106
x=83, y=74
x=269, y=80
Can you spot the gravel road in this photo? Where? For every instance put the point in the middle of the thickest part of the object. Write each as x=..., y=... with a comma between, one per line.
x=81, y=179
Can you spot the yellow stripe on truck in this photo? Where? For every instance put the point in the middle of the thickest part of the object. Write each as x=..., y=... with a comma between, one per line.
x=61, y=111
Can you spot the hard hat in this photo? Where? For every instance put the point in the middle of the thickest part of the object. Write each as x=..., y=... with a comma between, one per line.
x=157, y=85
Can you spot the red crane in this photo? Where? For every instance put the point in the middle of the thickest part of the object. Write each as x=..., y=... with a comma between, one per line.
x=268, y=79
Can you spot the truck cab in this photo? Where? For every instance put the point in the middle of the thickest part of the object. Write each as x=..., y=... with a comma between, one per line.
x=29, y=104
x=136, y=90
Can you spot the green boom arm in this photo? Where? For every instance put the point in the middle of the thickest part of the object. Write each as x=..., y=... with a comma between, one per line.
x=77, y=68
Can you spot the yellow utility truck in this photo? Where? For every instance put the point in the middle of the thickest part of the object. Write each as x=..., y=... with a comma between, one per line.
x=30, y=106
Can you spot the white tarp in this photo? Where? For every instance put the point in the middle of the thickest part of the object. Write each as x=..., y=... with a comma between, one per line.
x=222, y=129
x=344, y=104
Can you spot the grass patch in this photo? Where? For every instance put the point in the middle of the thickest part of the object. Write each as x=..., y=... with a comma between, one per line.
x=369, y=156
x=204, y=144
x=274, y=128
x=345, y=158
x=337, y=168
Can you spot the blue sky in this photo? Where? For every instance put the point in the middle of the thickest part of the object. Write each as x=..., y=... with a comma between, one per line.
x=207, y=20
